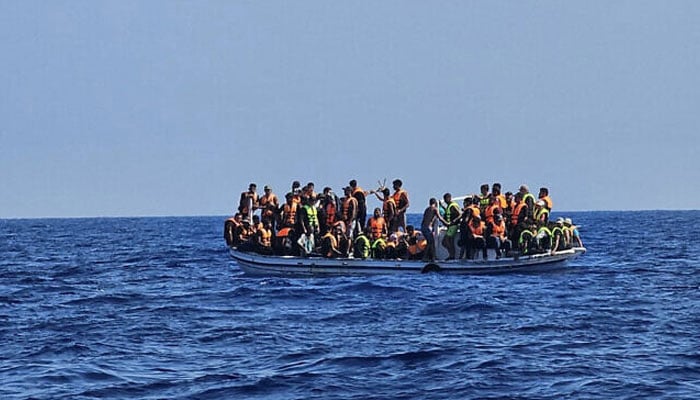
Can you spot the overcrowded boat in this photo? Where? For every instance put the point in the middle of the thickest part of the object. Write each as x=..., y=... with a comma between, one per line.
x=319, y=234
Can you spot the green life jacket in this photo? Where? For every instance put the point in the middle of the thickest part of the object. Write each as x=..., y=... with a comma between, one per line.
x=362, y=246
x=548, y=232
x=529, y=195
x=311, y=215
x=542, y=211
x=525, y=235
x=452, y=209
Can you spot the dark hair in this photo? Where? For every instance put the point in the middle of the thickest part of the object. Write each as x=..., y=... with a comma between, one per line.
x=353, y=183
x=397, y=182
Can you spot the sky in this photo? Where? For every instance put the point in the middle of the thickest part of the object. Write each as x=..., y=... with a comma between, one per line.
x=164, y=108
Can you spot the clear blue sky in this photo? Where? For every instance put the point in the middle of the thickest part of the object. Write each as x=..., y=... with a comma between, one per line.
x=129, y=108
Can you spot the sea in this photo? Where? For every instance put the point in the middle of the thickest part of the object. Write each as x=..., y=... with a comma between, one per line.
x=154, y=308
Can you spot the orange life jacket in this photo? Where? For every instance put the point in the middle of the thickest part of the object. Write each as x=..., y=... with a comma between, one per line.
x=265, y=200
x=547, y=202
x=266, y=237
x=290, y=212
x=502, y=201
x=489, y=212
x=400, y=198
x=516, y=212
x=476, y=212
x=386, y=207
x=346, y=207
x=333, y=243
x=284, y=232
x=330, y=213
x=377, y=226
x=498, y=229
x=477, y=230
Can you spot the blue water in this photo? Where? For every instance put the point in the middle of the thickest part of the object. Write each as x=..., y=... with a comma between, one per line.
x=152, y=308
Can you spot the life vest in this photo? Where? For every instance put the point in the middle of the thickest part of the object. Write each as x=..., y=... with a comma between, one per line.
x=530, y=196
x=246, y=198
x=540, y=213
x=346, y=207
x=483, y=201
x=502, y=201
x=416, y=248
x=498, y=229
x=387, y=209
x=284, y=232
x=311, y=216
x=401, y=198
x=544, y=230
x=362, y=246
x=267, y=203
x=525, y=235
x=266, y=237
x=377, y=226
x=547, y=202
x=477, y=230
x=451, y=210
x=489, y=212
x=567, y=235
x=330, y=213
x=333, y=243
x=290, y=213
x=476, y=211
x=516, y=212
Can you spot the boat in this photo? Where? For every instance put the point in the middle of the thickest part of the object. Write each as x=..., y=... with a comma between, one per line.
x=255, y=264
x=292, y=266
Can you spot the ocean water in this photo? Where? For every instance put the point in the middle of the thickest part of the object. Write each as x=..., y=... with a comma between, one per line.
x=153, y=308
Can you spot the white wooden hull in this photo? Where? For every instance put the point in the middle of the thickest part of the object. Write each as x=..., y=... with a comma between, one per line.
x=256, y=264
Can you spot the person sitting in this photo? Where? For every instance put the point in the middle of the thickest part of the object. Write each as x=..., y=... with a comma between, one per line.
x=558, y=236
x=526, y=240
x=476, y=240
x=416, y=243
x=263, y=239
x=543, y=239
x=376, y=226
x=283, y=244
x=230, y=227
x=361, y=246
x=334, y=244
x=497, y=237
x=575, y=236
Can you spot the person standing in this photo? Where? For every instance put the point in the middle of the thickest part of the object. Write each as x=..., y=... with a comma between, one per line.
x=430, y=214
x=361, y=196
x=401, y=198
x=452, y=217
x=248, y=202
x=269, y=204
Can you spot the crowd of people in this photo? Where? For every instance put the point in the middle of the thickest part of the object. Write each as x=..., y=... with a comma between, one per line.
x=323, y=224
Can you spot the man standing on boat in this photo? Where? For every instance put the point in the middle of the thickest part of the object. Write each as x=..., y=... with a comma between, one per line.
x=452, y=216
x=361, y=196
x=249, y=201
x=401, y=199
x=426, y=227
